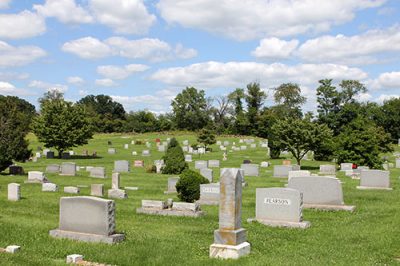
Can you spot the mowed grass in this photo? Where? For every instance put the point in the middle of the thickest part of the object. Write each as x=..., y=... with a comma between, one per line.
x=368, y=236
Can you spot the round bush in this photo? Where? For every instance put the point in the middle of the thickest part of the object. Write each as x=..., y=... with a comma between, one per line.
x=188, y=186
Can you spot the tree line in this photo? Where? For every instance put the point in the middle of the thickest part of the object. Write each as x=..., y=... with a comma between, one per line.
x=342, y=127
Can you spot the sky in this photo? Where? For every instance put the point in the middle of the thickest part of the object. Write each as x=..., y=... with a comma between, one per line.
x=143, y=53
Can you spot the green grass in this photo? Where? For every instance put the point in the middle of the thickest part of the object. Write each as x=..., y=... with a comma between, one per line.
x=369, y=236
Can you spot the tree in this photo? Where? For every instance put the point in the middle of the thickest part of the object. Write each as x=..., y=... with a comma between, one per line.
x=14, y=116
x=255, y=98
x=188, y=185
x=389, y=118
x=299, y=136
x=174, y=159
x=350, y=89
x=289, y=100
x=206, y=137
x=222, y=112
x=141, y=121
x=190, y=109
x=361, y=142
x=62, y=125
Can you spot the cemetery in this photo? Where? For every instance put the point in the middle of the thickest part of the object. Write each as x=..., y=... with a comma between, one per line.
x=112, y=213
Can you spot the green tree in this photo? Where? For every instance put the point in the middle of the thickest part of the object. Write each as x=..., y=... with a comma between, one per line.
x=299, y=136
x=14, y=125
x=289, y=100
x=206, y=137
x=62, y=125
x=190, y=109
x=255, y=98
x=174, y=159
x=389, y=118
x=361, y=142
x=141, y=121
x=188, y=185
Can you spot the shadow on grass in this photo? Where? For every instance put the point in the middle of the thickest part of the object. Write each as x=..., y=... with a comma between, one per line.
x=79, y=157
x=306, y=167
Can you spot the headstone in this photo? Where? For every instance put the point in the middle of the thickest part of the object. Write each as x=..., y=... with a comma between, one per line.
x=320, y=192
x=36, y=177
x=97, y=190
x=134, y=153
x=87, y=219
x=185, y=143
x=207, y=173
x=115, y=181
x=14, y=192
x=112, y=151
x=226, y=143
x=16, y=170
x=98, y=172
x=145, y=153
x=346, y=166
x=375, y=179
x=126, y=146
x=283, y=170
x=253, y=146
x=200, y=164
x=213, y=163
x=286, y=162
x=230, y=238
x=45, y=151
x=71, y=190
x=299, y=173
x=327, y=169
x=281, y=207
x=264, y=164
x=250, y=169
x=38, y=155
x=201, y=150
x=53, y=168
x=154, y=204
x=49, y=187
x=50, y=155
x=65, y=155
x=72, y=153
x=397, y=162
x=172, y=185
x=68, y=169
x=185, y=148
x=209, y=194
x=148, y=145
x=122, y=166
x=161, y=148
x=138, y=163
x=241, y=173
x=188, y=158
x=12, y=249
x=115, y=192
x=74, y=259
x=243, y=148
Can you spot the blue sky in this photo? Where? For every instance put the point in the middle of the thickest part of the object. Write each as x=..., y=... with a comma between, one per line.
x=142, y=53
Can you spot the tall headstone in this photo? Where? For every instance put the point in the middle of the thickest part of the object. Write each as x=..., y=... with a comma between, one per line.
x=88, y=219
x=97, y=190
x=397, y=162
x=375, y=179
x=207, y=173
x=281, y=207
x=115, y=192
x=230, y=238
x=14, y=192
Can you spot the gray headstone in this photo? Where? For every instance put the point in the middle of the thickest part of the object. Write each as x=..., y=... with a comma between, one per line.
x=36, y=177
x=188, y=158
x=53, y=168
x=200, y=164
x=97, y=190
x=112, y=151
x=98, y=172
x=213, y=163
x=71, y=190
x=346, y=166
x=375, y=179
x=14, y=192
x=250, y=169
x=299, y=173
x=207, y=173
x=68, y=169
x=161, y=148
x=397, y=162
x=49, y=187
x=283, y=170
x=327, y=169
x=122, y=166
x=115, y=181
x=209, y=194
x=145, y=153
x=172, y=184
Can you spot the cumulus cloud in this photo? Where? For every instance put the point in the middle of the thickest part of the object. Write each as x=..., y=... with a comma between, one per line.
x=22, y=25
x=4, y=4
x=357, y=49
x=389, y=80
x=120, y=72
x=13, y=76
x=385, y=97
x=7, y=88
x=48, y=86
x=274, y=48
x=78, y=81
x=251, y=19
x=106, y=83
x=238, y=74
x=66, y=11
x=11, y=56
x=153, y=50
x=123, y=16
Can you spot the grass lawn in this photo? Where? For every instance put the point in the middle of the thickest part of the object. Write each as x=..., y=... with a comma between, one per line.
x=368, y=236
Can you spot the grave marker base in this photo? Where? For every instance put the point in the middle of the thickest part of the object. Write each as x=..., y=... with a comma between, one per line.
x=229, y=252
x=208, y=202
x=324, y=207
x=169, y=212
x=111, y=239
x=374, y=188
x=273, y=223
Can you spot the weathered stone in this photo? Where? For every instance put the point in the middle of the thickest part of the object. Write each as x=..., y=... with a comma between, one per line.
x=49, y=187
x=126, y=146
x=98, y=172
x=299, y=173
x=145, y=153
x=397, y=162
x=36, y=177
x=74, y=259
x=209, y=194
x=122, y=166
x=112, y=151
x=264, y=164
x=138, y=163
x=243, y=148
x=68, y=169
x=374, y=179
x=161, y=148
x=71, y=190
x=327, y=169
x=154, y=204
x=53, y=168
x=283, y=170
x=88, y=219
x=200, y=164
x=320, y=192
x=14, y=192
x=184, y=206
x=171, y=185
x=207, y=173
x=346, y=166
x=213, y=163
x=250, y=169
x=188, y=158
x=97, y=190
x=50, y=155
x=115, y=181
x=117, y=194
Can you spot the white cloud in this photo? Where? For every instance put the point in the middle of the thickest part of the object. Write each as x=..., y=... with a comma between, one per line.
x=11, y=56
x=385, y=97
x=83, y=93
x=88, y=48
x=120, y=72
x=274, y=48
x=66, y=11
x=238, y=74
x=78, y=81
x=123, y=16
x=357, y=49
x=389, y=80
x=7, y=88
x=153, y=50
x=22, y=25
x=48, y=86
x=251, y=19
x=5, y=4
x=106, y=83
x=13, y=76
